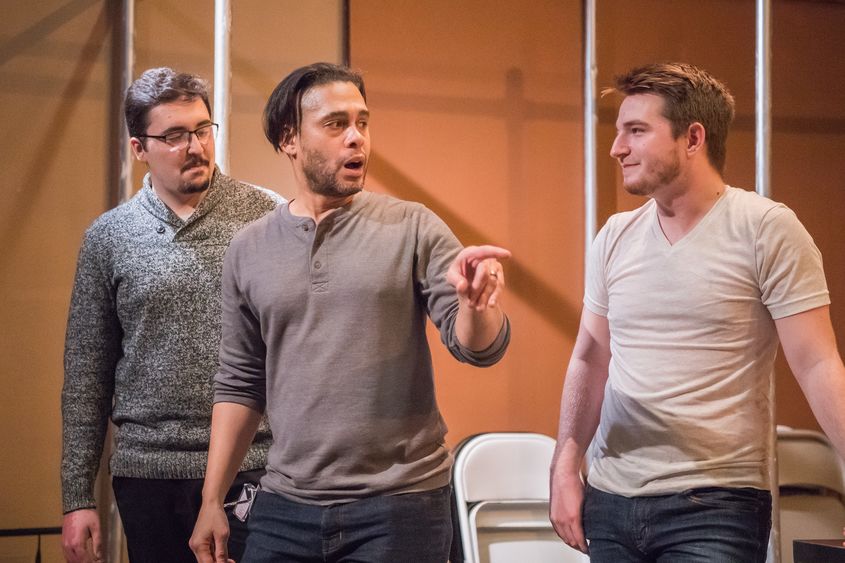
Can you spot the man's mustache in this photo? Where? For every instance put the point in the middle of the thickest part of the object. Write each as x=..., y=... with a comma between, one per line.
x=194, y=162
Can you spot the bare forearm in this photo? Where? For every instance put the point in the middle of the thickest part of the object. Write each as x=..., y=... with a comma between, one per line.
x=824, y=387
x=809, y=345
x=583, y=394
x=233, y=428
x=478, y=329
x=580, y=410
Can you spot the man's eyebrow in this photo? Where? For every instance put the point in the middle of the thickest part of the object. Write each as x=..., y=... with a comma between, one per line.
x=634, y=122
x=344, y=114
x=176, y=128
x=334, y=115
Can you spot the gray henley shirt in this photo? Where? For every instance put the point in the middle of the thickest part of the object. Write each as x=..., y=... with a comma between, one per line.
x=325, y=327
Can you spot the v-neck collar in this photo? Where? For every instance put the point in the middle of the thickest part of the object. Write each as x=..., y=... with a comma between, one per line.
x=663, y=241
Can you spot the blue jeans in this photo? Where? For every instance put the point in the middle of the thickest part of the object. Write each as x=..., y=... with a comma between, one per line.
x=414, y=527
x=697, y=525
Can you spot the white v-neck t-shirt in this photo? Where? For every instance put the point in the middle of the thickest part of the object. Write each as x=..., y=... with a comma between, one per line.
x=693, y=342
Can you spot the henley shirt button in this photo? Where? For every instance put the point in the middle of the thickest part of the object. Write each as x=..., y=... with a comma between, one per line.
x=317, y=265
x=160, y=229
x=304, y=227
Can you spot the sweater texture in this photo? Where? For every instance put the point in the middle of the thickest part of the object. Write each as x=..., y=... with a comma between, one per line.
x=143, y=335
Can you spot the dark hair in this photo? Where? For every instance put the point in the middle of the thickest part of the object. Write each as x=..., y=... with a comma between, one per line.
x=689, y=95
x=283, y=115
x=159, y=86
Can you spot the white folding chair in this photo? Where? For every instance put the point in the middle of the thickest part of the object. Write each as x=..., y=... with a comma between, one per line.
x=501, y=483
x=811, y=480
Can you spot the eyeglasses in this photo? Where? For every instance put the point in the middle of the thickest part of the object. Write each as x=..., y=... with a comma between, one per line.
x=178, y=140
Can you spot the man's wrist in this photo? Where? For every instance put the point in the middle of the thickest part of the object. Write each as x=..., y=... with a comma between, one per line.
x=78, y=509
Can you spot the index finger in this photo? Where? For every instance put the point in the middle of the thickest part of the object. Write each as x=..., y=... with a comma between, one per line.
x=483, y=252
x=221, y=552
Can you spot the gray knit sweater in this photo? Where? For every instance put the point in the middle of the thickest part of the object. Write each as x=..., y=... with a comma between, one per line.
x=143, y=335
x=324, y=325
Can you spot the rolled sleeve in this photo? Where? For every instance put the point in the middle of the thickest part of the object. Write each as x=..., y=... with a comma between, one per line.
x=437, y=247
x=241, y=375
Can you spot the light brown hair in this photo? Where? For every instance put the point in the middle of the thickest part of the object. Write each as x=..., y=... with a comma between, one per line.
x=690, y=95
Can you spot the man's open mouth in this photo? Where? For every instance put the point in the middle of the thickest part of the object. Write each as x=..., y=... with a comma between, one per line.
x=354, y=163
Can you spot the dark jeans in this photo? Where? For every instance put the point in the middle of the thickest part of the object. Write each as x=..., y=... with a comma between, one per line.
x=414, y=527
x=159, y=515
x=698, y=525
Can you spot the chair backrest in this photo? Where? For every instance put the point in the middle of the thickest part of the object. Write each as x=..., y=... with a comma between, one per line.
x=501, y=483
x=503, y=466
x=806, y=458
x=811, y=479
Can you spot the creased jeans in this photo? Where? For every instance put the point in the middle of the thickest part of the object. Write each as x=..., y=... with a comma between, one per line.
x=413, y=527
x=698, y=525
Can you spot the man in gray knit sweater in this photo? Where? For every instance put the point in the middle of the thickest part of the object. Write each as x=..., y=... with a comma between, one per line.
x=144, y=329
x=325, y=303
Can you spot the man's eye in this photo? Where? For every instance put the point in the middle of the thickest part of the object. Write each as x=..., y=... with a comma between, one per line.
x=174, y=137
x=363, y=124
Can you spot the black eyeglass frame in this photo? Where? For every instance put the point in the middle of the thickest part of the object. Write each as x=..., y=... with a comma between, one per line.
x=163, y=138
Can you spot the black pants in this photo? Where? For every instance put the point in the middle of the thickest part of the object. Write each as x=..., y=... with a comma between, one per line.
x=159, y=515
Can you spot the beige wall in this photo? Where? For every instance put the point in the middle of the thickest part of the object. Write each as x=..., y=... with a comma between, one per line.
x=57, y=148
x=54, y=106
x=269, y=39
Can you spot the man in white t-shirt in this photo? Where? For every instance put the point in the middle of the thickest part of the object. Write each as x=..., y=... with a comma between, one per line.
x=685, y=301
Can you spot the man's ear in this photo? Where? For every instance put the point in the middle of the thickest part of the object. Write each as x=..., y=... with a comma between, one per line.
x=696, y=136
x=288, y=144
x=138, y=149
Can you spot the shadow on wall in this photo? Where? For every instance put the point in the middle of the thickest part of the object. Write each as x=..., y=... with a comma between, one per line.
x=36, y=33
x=538, y=295
x=25, y=198
x=530, y=288
x=534, y=292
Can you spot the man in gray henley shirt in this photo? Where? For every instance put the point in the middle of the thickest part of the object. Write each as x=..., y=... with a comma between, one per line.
x=144, y=330
x=325, y=304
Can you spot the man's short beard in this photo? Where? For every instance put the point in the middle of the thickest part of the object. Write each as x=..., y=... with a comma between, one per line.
x=322, y=182
x=330, y=187
x=194, y=188
x=665, y=174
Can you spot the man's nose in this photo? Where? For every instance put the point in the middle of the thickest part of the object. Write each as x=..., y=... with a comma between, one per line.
x=619, y=148
x=194, y=144
x=354, y=136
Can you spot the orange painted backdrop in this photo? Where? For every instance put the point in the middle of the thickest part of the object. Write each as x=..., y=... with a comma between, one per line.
x=478, y=113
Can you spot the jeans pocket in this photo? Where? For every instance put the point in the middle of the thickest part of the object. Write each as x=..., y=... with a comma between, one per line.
x=436, y=499
x=749, y=500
